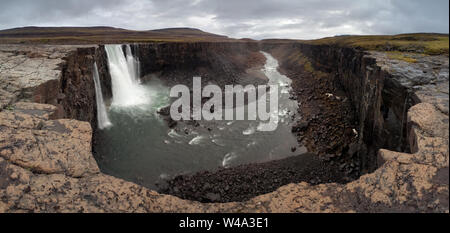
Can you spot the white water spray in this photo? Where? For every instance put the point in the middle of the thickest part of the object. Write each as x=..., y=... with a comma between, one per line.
x=133, y=65
x=124, y=70
x=102, y=115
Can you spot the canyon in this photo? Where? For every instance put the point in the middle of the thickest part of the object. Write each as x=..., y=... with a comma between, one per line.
x=376, y=129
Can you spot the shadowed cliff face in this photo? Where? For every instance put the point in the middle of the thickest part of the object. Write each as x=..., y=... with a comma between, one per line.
x=220, y=63
x=75, y=96
x=364, y=84
x=381, y=90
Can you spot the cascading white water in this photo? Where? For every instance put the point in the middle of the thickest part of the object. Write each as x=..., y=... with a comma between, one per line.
x=141, y=144
x=124, y=70
x=132, y=64
x=102, y=115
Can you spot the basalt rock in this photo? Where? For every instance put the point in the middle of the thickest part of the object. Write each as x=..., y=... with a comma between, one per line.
x=380, y=92
x=219, y=63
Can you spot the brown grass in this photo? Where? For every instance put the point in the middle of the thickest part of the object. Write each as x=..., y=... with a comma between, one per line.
x=408, y=57
x=103, y=35
x=430, y=44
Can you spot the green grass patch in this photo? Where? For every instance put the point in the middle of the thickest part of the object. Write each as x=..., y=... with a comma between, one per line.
x=407, y=57
x=9, y=107
x=423, y=43
x=300, y=59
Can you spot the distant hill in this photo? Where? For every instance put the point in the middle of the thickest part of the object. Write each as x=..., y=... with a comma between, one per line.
x=425, y=43
x=85, y=35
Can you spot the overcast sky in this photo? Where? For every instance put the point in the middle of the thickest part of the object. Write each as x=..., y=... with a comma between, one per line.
x=258, y=19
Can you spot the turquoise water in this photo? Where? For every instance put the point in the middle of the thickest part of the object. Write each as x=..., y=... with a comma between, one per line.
x=140, y=147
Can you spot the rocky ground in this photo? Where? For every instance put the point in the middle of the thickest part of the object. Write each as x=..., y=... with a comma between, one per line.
x=46, y=165
x=30, y=72
x=243, y=182
x=426, y=77
x=55, y=179
x=328, y=119
x=22, y=69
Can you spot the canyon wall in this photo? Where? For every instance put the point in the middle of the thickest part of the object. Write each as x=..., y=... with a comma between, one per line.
x=77, y=88
x=46, y=165
x=217, y=62
x=380, y=97
x=373, y=92
x=378, y=92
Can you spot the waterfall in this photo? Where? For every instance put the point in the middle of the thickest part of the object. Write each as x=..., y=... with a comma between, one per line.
x=102, y=115
x=133, y=65
x=124, y=70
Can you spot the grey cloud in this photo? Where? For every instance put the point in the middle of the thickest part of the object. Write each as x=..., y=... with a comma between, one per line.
x=302, y=19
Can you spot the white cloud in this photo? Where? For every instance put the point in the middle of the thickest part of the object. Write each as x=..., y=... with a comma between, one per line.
x=257, y=19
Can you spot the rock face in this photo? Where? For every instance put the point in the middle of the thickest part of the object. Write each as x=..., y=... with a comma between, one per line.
x=380, y=89
x=58, y=75
x=31, y=73
x=77, y=90
x=244, y=182
x=30, y=140
x=46, y=164
x=220, y=63
x=328, y=117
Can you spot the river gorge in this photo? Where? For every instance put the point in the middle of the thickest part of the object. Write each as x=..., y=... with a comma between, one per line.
x=351, y=134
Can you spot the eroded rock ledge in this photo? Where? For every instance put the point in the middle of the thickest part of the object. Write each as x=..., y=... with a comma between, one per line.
x=46, y=165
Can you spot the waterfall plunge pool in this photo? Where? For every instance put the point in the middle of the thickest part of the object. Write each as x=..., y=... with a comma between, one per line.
x=139, y=146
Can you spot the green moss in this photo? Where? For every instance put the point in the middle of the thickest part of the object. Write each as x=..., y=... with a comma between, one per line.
x=402, y=56
x=308, y=67
x=9, y=107
x=439, y=46
x=300, y=59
